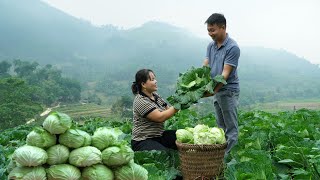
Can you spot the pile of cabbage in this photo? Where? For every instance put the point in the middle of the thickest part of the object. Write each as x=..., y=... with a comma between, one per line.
x=58, y=152
x=201, y=134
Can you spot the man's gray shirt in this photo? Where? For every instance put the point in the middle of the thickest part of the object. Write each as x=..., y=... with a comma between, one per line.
x=228, y=53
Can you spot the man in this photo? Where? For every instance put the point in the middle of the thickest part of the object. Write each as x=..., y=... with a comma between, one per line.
x=222, y=56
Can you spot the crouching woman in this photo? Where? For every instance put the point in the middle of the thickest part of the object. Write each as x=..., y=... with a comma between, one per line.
x=150, y=112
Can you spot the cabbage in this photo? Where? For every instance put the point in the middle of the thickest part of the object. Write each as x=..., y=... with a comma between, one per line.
x=85, y=156
x=28, y=173
x=75, y=138
x=184, y=136
x=190, y=129
x=117, y=156
x=200, y=128
x=97, y=172
x=104, y=137
x=131, y=171
x=218, y=134
x=57, y=123
x=30, y=156
x=57, y=154
x=204, y=138
x=12, y=164
x=202, y=134
x=41, y=138
x=63, y=172
x=192, y=85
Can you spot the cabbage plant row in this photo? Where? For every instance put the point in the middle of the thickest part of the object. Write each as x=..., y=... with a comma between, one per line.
x=284, y=145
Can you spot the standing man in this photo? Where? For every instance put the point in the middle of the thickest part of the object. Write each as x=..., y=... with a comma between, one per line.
x=222, y=56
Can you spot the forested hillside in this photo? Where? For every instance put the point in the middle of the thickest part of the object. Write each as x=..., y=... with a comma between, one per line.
x=105, y=59
x=27, y=88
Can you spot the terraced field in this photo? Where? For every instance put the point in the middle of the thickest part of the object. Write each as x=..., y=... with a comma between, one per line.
x=84, y=110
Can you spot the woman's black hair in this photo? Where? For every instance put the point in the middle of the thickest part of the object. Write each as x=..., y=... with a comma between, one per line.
x=142, y=76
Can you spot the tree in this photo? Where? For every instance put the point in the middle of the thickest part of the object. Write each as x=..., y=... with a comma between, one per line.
x=4, y=68
x=123, y=106
x=24, y=68
x=16, y=105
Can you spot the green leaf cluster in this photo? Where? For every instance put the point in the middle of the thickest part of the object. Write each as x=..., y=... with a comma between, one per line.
x=192, y=85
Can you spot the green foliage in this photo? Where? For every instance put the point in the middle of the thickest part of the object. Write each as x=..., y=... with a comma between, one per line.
x=10, y=139
x=16, y=104
x=287, y=142
x=123, y=106
x=192, y=85
x=23, y=96
x=283, y=145
x=4, y=69
x=161, y=165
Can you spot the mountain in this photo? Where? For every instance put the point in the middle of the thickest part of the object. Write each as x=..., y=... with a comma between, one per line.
x=108, y=57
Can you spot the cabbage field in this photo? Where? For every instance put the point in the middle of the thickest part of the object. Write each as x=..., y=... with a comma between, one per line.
x=284, y=145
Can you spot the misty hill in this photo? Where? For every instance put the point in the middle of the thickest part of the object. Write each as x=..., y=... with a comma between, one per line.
x=106, y=58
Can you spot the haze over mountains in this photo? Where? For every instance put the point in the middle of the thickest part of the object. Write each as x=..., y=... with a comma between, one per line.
x=108, y=56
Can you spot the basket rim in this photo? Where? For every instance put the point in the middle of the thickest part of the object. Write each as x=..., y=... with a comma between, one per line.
x=201, y=146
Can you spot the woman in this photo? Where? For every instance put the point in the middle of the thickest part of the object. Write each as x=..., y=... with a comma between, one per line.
x=150, y=111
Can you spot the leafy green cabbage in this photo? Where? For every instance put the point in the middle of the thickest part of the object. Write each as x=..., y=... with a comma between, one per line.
x=75, y=138
x=219, y=135
x=117, y=156
x=104, y=137
x=131, y=171
x=57, y=123
x=41, y=138
x=201, y=134
x=192, y=85
x=30, y=156
x=184, y=136
x=63, y=172
x=97, y=172
x=85, y=156
x=28, y=173
x=57, y=154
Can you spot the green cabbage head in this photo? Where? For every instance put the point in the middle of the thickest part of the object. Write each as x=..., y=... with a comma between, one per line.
x=184, y=136
x=41, y=138
x=205, y=135
x=104, y=137
x=75, y=138
x=85, y=156
x=57, y=123
x=57, y=154
x=30, y=156
x=200, y=128
x=218, y=134
x=97, y=172
x=117, y=156
x=28, y=173
x=63, y=172
x=131, y=171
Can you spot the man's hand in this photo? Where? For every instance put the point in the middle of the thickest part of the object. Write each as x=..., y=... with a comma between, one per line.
x=207, y=94
x=205, y=62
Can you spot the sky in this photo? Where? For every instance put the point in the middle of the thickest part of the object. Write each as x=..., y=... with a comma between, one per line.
x=290, y=25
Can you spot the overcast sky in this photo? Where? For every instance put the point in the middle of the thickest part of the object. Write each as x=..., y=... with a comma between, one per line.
x=292, y=25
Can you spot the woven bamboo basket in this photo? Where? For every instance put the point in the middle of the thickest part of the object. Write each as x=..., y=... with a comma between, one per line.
x=198, y=161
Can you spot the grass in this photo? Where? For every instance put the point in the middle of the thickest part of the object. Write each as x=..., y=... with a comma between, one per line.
x=288, y=105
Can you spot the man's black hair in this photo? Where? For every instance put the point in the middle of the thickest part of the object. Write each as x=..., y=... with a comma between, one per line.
x=217, y=19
